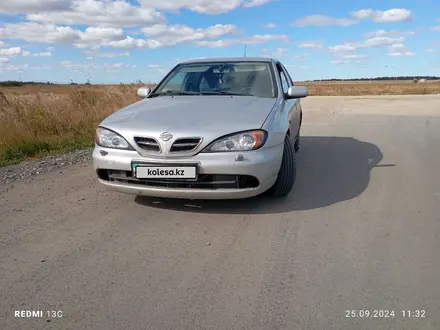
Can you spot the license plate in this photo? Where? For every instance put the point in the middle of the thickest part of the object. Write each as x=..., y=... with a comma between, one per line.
x=165, y=172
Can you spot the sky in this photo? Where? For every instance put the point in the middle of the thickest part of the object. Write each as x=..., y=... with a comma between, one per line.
x=120, y=41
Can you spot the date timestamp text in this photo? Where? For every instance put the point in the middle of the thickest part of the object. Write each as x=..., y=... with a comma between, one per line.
x=366, y=313
x=384, y=313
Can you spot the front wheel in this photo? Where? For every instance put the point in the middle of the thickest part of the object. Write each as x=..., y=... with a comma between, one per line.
x=287, y=174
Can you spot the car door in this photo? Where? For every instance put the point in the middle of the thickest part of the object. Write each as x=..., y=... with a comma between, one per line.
x=289, y=105
x=297, y=114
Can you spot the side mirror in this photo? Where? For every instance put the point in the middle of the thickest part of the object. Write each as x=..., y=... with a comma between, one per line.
x=297, y=92
x=143, y=92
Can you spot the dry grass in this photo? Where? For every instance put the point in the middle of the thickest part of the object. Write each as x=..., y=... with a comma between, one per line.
x=40, y=119
x=371, y=88
x=41, y=123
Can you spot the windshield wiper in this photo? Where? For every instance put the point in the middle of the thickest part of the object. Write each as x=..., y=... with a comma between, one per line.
x=174, y=93
x=224, y=93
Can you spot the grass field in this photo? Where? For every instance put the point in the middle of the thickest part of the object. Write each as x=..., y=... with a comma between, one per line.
x=37, y=120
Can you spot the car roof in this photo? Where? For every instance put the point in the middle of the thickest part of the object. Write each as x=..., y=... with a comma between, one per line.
x=231, y=59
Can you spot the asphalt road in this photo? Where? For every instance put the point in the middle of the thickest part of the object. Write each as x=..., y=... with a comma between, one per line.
x=360, y=231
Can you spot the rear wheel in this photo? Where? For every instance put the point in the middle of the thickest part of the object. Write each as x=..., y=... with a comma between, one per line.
x=287, y=174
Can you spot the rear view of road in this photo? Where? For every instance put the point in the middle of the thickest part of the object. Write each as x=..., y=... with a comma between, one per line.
x=360, y=232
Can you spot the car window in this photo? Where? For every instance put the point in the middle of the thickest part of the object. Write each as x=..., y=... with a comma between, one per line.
x=242, y=78
x=176, y=82
x=289, y=78
x=284, y=82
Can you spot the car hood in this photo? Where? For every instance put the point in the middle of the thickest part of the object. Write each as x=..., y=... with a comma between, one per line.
x=191, y=115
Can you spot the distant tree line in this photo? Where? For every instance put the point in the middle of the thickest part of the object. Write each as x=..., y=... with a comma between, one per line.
x=15, y=83
x=384, y=78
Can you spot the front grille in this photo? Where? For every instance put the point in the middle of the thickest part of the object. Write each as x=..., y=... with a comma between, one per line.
x=148, y=144
x=204, y=181
x=186, y=144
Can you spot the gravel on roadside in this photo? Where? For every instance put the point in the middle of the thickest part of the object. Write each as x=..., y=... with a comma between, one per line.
x=31, y=168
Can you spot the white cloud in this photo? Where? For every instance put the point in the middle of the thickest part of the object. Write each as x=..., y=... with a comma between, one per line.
x=381, y=41
x=161, y=35
x=254, y=3
x=279, y=52
x=5, y=65
x=262, y=38
x=436, y=28
x=397, y=47
x=67, y=64
x=339, y=61
x=353, y=56
x=217, y=43
x=254, y=39
x=94, y=36
x=101, y=33
x=94, y=55
x=392, y=33
x=341, y=58
x=29, y=6
x=1, y=43
x=116, y=13
x=399, y=50
x=170, y=35
x=343, y=48
x=3, y=61
x=50, y=49
x=378, y=33
x=348, y=58
x=200, y=6
x=270, y=26
x=431, y=51
x=321, y=20
x=42, y=54
x=387, y=16
x=367, y=43
x=113, y=66
x=35, y=32
x=310, y=44
x=401, y=54
x=91, y=67
x=131, y=43
x=13, y=51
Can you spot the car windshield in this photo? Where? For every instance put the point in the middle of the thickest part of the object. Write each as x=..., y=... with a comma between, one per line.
x=222, y=78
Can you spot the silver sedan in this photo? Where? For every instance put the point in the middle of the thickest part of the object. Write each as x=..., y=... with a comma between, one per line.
x=211, y=129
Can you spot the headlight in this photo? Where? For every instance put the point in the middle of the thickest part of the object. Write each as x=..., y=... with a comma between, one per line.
x=244, y=141
x=109, y=139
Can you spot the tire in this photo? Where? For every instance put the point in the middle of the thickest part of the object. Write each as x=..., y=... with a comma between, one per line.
x=287, y=174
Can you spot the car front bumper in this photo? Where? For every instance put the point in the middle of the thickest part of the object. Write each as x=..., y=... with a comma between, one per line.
x=262, y=164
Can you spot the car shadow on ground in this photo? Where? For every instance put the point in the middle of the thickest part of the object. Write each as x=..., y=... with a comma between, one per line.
x=329, y=170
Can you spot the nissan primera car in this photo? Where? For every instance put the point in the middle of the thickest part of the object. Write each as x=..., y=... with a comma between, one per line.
x=211, y=129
